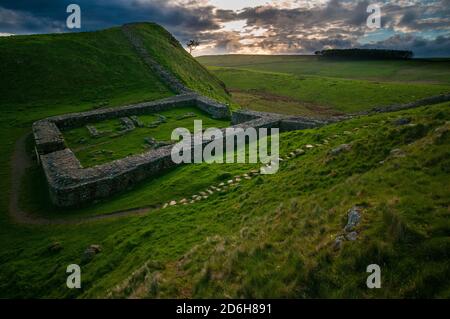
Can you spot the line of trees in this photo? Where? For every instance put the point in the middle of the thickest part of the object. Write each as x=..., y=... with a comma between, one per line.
x=368, y=54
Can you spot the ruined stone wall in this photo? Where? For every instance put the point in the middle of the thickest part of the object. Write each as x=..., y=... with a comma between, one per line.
x=47, y=137
x=47, y=133
x=72, y=185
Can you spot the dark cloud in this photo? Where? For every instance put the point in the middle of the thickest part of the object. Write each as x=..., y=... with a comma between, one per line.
x=439, y=47
x=271, y=28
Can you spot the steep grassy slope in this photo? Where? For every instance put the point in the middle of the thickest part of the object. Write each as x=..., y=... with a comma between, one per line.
x=91, y=68
x=167, y=51
x=270, y=236
x=281, y=243
x=273, y=236
x=429, y=71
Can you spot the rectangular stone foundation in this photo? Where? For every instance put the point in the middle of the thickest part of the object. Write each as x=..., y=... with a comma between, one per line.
x=72, y=185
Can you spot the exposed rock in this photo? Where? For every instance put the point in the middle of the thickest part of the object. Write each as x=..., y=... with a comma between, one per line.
x=341, y=148
x=338, y=242
x=309, y=146
x=402, y=121
x=186, y=116
x=93, y=131
x=127, y=124
x=55, y=247
x=136, y=121
x=354, y=217
x=352, y=236
x=150, y=141
x=90, y=253
x=161, y=118
x=96, y=248
x=397, y=153
x=173, y=203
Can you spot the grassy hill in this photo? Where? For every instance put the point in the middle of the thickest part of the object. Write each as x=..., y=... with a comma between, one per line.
x=307, y=85
x=168, y=52
x=271, y=236
x=81, y=68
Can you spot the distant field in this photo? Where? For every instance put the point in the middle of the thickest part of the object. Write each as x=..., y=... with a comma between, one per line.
x=428, y=71
x=113, y=144
x=306, y=85
x=313, y=95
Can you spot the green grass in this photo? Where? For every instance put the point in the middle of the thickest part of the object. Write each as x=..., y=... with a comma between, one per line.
x=292, y=94
x=272, y=236
x=307, y=85
x=91, y=68
x=417, y=70
x=47, y=75
x=111, y=145
x=168, y=52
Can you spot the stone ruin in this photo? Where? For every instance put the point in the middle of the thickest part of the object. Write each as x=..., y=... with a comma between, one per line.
x=70, y=184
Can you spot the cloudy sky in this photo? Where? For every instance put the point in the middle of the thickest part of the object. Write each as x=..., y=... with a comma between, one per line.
x=253, y=26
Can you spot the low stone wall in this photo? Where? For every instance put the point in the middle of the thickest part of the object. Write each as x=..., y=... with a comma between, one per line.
x=47, y=137
x=71, y=185
x=47, y=133
x=399, y=107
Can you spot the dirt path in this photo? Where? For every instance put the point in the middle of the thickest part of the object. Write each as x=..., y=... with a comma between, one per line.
x=20, y=161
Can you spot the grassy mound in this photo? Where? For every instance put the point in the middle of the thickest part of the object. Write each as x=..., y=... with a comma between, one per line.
x=92, y=67
x=168, y=52
x=273, y=236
